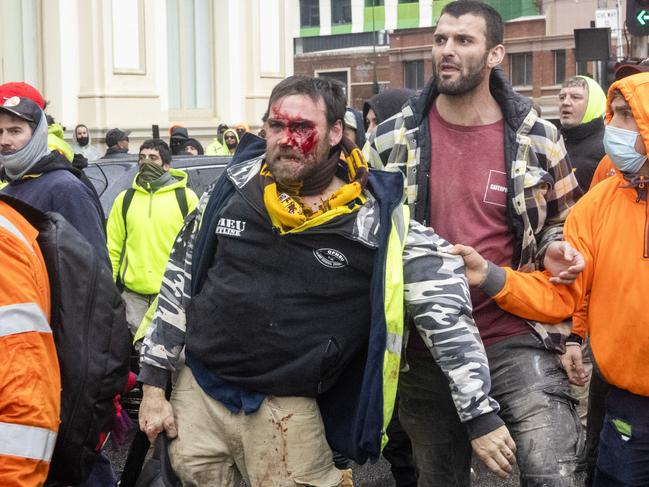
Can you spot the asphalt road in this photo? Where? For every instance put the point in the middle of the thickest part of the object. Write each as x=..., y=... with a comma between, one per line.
x=368, y=475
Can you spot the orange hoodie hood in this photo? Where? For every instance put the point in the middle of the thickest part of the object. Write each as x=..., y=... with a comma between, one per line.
x=635, y=90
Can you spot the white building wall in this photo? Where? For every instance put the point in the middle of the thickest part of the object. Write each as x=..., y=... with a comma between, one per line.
x=391, y=14
x=325, y=17
x=115, y=74
x=358, y=15
x=425, y=13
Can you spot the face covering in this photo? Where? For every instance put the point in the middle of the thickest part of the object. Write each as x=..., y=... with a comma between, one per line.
x=83, y=141
x=16, y=165
x=149, y=171
x=620, y=147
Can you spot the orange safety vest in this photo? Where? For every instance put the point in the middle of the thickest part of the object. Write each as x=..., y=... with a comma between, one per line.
x=30, y=384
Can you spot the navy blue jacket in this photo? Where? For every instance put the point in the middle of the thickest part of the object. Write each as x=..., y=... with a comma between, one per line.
x=54, y=185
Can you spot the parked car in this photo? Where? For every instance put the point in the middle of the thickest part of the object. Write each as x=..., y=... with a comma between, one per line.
x=111, y=176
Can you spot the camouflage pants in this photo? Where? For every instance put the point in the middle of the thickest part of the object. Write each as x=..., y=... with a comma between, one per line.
x=532, y=389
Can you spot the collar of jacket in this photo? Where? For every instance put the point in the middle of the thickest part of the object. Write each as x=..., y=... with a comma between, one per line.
x=384, y=190
x=634, y=181
x=583, y=130
x=53, y=161
x=515, y=107
x=116, y=150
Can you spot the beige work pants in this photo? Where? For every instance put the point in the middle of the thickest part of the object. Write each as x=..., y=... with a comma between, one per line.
x=281, y=444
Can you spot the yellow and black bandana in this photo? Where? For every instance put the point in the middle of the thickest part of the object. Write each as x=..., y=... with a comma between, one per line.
x=288, y=214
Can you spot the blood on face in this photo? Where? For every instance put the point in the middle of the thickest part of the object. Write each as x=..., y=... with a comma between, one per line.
x=300, y=133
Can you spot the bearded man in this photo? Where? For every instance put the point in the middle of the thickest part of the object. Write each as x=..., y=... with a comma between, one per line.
x=481, y=167
x=287, y=290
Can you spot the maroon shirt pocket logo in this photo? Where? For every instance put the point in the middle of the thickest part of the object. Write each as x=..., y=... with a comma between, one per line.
x=496, y=190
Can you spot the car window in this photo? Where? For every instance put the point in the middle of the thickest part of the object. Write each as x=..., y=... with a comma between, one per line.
x=201, y=178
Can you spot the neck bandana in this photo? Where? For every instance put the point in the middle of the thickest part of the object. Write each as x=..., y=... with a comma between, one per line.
x=16, y=165
x=149, y=172
x=286, y=210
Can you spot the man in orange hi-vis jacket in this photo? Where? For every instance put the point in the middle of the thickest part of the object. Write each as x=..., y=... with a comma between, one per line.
x=609, y=227
x=30, y=386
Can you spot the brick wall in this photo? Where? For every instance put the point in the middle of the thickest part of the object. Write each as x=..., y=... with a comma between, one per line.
x=361, y=71
x=416, y=44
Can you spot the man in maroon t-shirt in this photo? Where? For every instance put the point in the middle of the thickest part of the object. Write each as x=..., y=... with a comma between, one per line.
x=483, y=170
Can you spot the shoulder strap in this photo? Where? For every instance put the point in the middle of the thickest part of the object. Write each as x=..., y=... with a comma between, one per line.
x=126, y=202
x=181, y=197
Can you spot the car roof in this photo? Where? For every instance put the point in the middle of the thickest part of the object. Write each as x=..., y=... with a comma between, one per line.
x=112, y=176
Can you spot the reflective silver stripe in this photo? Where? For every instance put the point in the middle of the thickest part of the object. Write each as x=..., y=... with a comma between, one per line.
x=12, y=228
x=26, y=441
x=21, y=318
x=393, y=343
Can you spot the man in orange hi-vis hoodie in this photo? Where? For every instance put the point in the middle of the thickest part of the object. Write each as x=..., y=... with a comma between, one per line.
x=30, y=386
x=609, y=226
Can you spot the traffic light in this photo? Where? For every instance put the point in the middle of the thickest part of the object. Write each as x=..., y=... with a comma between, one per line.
x=637, y=17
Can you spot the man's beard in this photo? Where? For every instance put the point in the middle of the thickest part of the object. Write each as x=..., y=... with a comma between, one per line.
x=465, y=83
x=304, y=167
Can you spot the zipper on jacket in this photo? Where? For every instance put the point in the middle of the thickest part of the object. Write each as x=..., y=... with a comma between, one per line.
x=150, y=203
x=645, y=250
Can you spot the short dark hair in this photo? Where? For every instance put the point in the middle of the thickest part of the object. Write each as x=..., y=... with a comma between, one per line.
x=495, y=28
x=159, y=145
x=331, y=91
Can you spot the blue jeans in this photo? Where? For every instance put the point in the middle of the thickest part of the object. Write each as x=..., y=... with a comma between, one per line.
x=532, y=389
x=623, y=458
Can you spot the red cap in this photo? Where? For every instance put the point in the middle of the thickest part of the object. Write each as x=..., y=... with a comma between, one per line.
x=23, y=90
x=622, y=70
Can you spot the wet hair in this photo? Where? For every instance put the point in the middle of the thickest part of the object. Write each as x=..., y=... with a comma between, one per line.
x=160, y=146
x=330, y=91
x=495, y=27
x=576, y=81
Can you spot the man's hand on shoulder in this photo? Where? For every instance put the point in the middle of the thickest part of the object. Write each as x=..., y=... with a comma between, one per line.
x=156, y=413
x=563, y=262
x=497, y=451
x=475, y=265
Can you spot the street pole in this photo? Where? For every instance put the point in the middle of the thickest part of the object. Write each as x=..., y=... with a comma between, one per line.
x=618, y=36
x=639, y=47
x=375, y=85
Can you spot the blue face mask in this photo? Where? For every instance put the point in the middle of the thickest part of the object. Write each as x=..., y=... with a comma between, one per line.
x=619, y=144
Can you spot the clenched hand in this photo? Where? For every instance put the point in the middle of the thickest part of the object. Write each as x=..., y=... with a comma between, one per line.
x=156, y=414
x=497, y=451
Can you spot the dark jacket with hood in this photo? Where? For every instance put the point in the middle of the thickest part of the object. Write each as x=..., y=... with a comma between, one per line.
x=585, y=146
x=387, y=103
x=52, y=184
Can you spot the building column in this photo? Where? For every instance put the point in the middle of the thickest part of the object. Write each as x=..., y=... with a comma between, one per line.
x=117, y=60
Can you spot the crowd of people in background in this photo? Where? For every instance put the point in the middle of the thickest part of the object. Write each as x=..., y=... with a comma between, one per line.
x=439, y=275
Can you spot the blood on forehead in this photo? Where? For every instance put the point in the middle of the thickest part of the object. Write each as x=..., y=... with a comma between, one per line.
x=301, y=134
